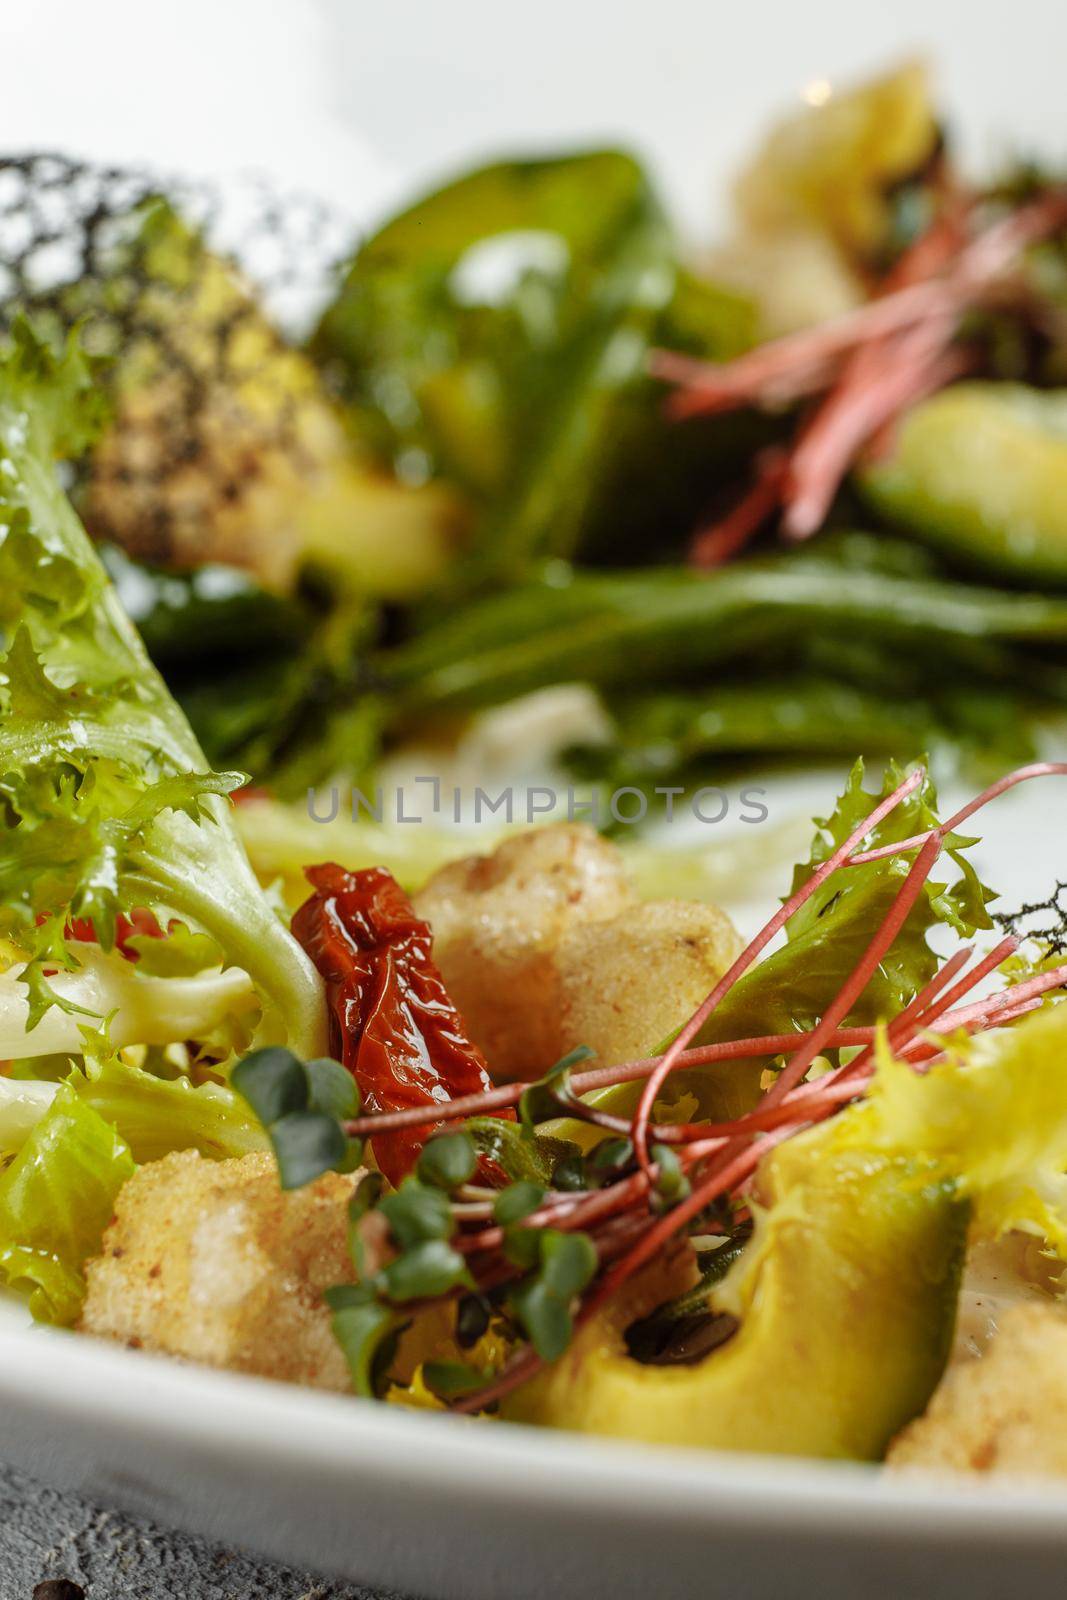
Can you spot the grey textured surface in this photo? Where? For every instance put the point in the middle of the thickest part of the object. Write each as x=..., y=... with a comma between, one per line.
x=45, y=1535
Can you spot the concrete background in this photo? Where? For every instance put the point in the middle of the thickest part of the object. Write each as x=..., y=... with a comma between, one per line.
x=45, y=1535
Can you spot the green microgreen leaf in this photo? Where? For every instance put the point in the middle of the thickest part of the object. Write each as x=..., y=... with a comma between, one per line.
x=273, y=1082
x=522, y=1247
x=306, y=1144
x=450, y=1379
x=301, y=1106
x=424, y=1272
x=545, y=1317
x=551, y=1095
x=331, y=1088
x=671, y=1182
x=367, y=1333
x=568, y=1262
x=610, y=1156
x=448, y=1160
x=417, y=1212
x=347, y=1296
x=517, y=1201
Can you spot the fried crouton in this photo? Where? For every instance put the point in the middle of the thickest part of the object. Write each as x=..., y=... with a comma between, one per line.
x=626, y=983
x=544, y=945
x=496, y=922
x=212, y=1261
x=1005, y=1413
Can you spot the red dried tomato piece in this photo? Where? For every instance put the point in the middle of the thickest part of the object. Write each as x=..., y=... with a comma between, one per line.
x=393, y=1024
x=139, y=921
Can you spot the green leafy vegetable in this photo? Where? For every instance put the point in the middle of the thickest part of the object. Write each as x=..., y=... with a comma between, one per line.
x=489, y=332
x=448, y=1160
x=109, y=805
x=367, y=1333
x=155, y=1115
x=302, y=1106
x=649, y=627
x=56, y=1199
x=567, y=1263
x=519, y=1157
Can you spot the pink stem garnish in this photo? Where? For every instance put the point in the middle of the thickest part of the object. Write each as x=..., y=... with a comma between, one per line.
x=658, y=1078
x=869, y=365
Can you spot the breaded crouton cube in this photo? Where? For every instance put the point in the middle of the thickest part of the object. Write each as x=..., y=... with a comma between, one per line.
x=496, y=921
x=212, y=1261
x=1003, y=1413
x=626, y=983
x=544, y=946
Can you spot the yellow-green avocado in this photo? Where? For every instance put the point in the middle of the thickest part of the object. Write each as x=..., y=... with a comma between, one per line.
x=980, y=471
x=847, y=1303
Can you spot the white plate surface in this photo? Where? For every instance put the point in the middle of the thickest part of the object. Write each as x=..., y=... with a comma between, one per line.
x=439, y=1506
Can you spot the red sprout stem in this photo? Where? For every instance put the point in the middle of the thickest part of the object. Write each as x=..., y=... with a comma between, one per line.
x=871, y=364
x=726, y=1175
x=988, y=964
x=656, y=1079
x=868, y=965
x=994, y=250
x=846, y=1082
x=509, y=1094
x=716, y=543
x=934, y=1001
x=711, y=387
x=1036, y=769
x=913, y=1017
x=879, y=380
x=996, y=1005
x=870, y=394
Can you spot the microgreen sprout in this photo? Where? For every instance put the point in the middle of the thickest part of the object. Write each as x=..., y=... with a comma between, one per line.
x=302, y=1105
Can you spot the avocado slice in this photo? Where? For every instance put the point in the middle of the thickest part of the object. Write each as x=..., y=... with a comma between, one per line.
x=980, y=471
x=846, y=1299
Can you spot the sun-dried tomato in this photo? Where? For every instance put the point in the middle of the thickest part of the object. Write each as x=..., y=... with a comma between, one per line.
x=393, y=1024
x=139, y=922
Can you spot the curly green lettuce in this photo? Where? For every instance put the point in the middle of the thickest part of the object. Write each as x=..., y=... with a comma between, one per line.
x=992, y=1117
x=107, y=803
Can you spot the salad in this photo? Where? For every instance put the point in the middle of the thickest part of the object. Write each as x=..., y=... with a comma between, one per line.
x=533, y=1133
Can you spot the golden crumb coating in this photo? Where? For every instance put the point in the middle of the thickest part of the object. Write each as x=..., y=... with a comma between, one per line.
x=544, y=946
x=212, y=1261
x=1004, y=1413
x=626, y=983
x=496, y=922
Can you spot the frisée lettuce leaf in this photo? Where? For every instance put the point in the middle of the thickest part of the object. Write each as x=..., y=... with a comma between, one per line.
x=56, y=1199
x=108, y=804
